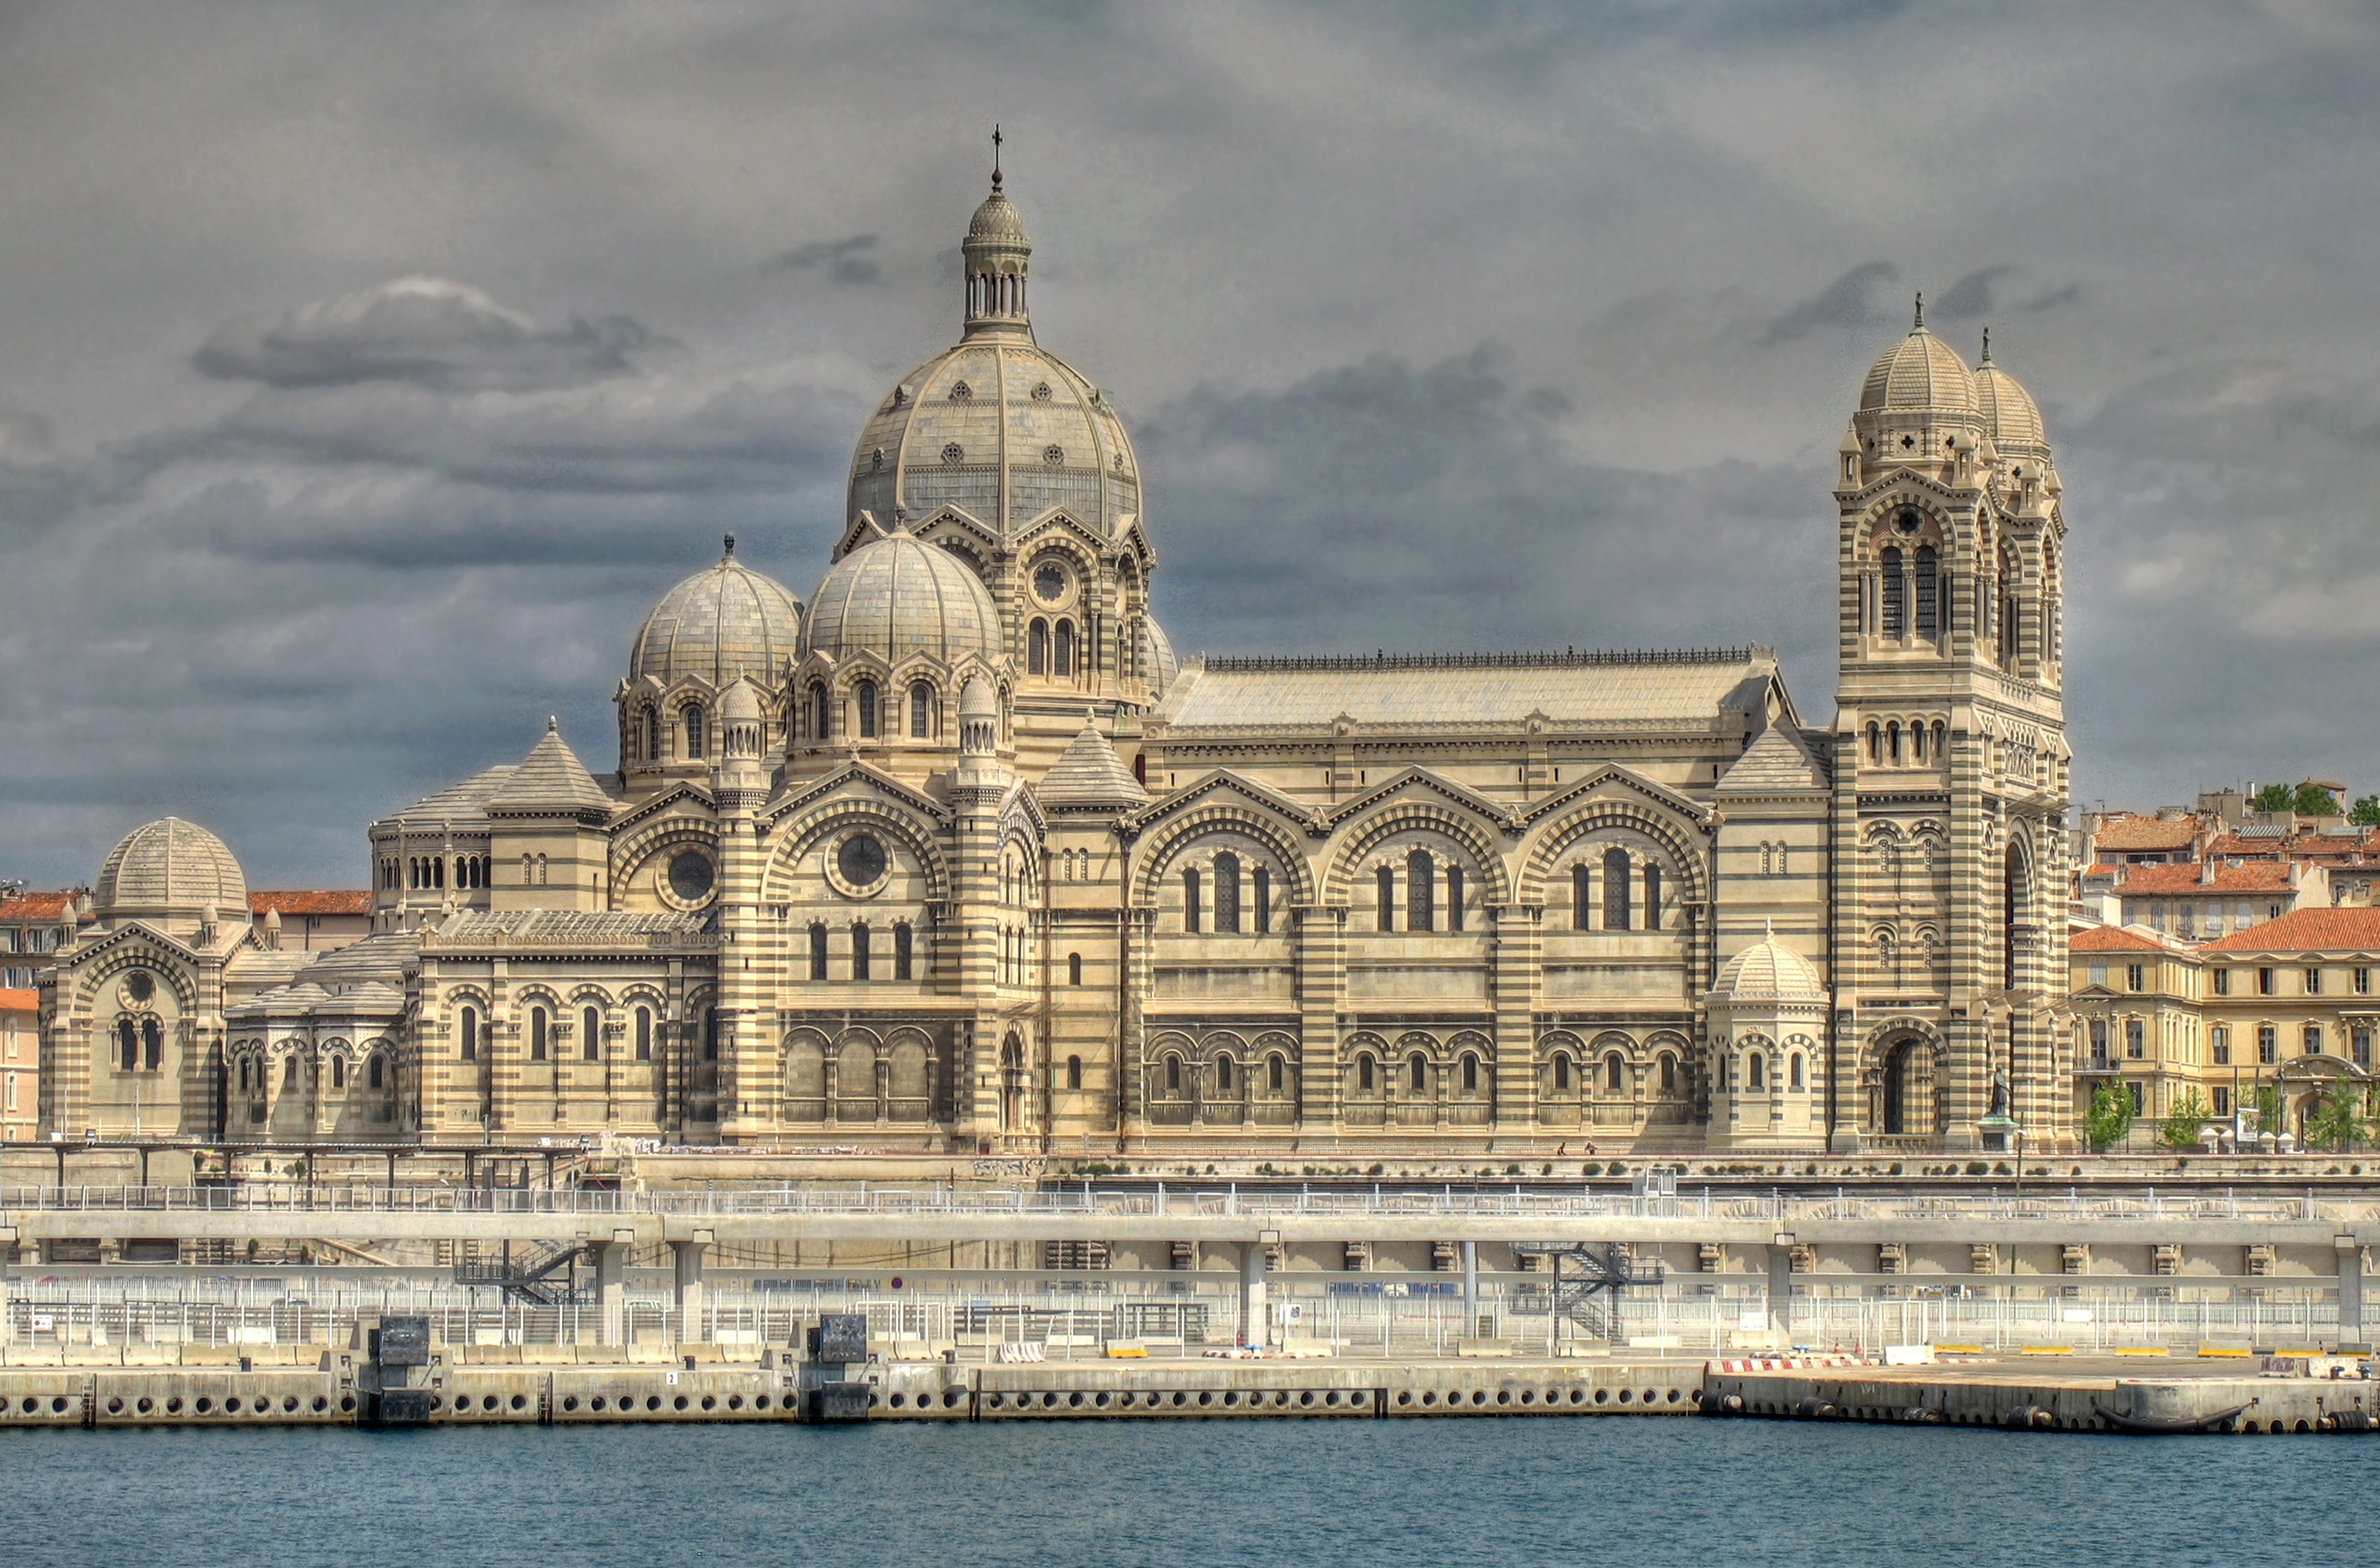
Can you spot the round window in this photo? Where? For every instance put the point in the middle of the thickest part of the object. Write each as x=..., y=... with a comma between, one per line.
x=139, y=986
x=861, y=861
x=690, y=875
x=1049, y=581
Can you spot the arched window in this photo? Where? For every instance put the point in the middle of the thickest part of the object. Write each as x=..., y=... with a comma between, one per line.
x=128, y=1044
x=1917, y=744
x=905, y=951
x=822, y=715
x=1190, y=914
x=470, y=1034
x=1874, y=743
x=590, y=1034
x=1417, y=1073
x=1063, y=664
x=1940, y=732
x=529, y=870
x=1276, y=1072
x=1388, y=879
x=1896, y=594
x=863, y=697
x=1615, y=889
x=818, y=952
x=1173, y=1075
x=692, y=719
x=1365, y=1070
x=1613, y=1068
x=652, y=728
x=153, y=1044
x=2012, y=911
x=541, y=871
x=243, y=1075
x=1470, y=1073
x=1453, y=896
x=1074, y=968
x=536, y=1030
x=1793, y=1068
x=1892, y=743
x=710, y=1034
x=339, y=1071
x=1668, y=1074
x=375, y=1072
x=1036, y=648
x=1752, y=1069
x=1223, y=1074
x=859, y=950
x=1226, y=892
x=1929, y=615
x=921, y=710
x=1582, y=896
x=1421, y=892
x=1264, y=901
x=1652, y=896
x=1561, y=1071
x=644, y=1034
x=1074, y=1072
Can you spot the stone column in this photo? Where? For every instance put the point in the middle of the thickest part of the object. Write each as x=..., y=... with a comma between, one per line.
x=1781, y=1285
x=1252, y=1289
x=611, y=1286
x=686, y=1259
x=2350, y=1290
x=1470, y=1290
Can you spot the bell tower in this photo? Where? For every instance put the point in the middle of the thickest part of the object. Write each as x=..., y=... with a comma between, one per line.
x=1951, y=764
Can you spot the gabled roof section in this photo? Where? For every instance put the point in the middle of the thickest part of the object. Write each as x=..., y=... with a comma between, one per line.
x=1207, y=785
x=1088, y=774
x=334, y=901
x=851, y=773
x=551, y=781
x=2122, y=939
x=467, y=799
x=536, y=928
x=1776, y=763
x=1470, y=801
x=1601, y=781
x=2308, y=930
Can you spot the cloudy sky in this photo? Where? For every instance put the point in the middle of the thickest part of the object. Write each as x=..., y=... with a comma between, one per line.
x=365, y=371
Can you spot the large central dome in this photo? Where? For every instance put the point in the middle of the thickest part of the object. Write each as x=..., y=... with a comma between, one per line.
x=996, y=426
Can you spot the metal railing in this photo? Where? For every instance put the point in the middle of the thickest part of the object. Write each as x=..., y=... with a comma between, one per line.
x=1211, y=1201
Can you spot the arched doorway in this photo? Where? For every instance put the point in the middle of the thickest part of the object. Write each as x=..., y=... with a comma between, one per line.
x=1011, y=1083
x=2013, y=910
x=1907, y=1089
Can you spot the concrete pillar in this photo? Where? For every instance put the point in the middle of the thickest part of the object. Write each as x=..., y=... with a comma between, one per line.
x=687, y=1256
x=2351, y=1289
x=1781, y=1284
x=1252, y=1290
x=1470, y=1290
x=612, y=1284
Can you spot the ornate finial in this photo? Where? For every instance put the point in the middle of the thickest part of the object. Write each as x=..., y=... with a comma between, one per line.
x=1987, y=346
x=995, y=157
x=1920, y=323
x=553, y=724
x=731, y=547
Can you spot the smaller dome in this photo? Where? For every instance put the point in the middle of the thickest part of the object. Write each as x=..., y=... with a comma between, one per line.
x=1921, y=371
x=977, y=701
x=1769, y=971
x=2011, y=417
x=996, y=218
x=1160, y=663
x=170, y=867
x=717, y=624
x=740, y=705
x=894, y=597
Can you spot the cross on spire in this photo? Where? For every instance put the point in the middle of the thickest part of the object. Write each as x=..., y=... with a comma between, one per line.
x=1920, y=311
x=1987, y=346
x=995, y=157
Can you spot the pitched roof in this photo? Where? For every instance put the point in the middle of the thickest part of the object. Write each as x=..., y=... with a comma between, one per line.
x=2253, y=876
x=1778, y=760
x=2308, y=930
x=2140, y=834
x=468, y=799
x=2121, y=939
x=1090, y=773
x=551, y=778
x=36, y=906
x=532, y=927
x=16, y=999
x=1618, y=691
x=333, y=901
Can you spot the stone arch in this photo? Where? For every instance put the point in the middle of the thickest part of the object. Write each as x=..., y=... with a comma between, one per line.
x=805, y=1056
x=1558, y=840
x=1182, y=833
x=1476, y=838
x=797, y=838
x=908, y=1054
x=632, y=855
x=858, y=1095
x=1904, y=1072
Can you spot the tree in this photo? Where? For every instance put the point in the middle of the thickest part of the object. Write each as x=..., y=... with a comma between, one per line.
x=2185, y=1122
x=2274, y=797
x=2272, y=1114
x=2337, y=1123
x=2110, y=1117
x=2367, y=812
x=2312, y=800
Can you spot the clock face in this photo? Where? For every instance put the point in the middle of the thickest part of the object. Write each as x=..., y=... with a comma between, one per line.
x=861, y=861
x=690, y=876
x=1049, y=583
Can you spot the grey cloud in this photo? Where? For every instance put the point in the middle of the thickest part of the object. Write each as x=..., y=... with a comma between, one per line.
x=846, y=260
x=2052, y=298
x=1846, y=302
x=426, y=331
x=1970, y=297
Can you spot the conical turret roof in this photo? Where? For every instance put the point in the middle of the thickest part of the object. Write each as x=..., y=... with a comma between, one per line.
x=1090, y=773
x=550, y=779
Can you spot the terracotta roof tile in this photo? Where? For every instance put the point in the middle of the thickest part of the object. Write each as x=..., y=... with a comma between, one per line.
x=334, y=901
x=2308, y=930
x=2120, y=938
x=35, y=906
x=14, y=1000
x=2256, y=876
x=2141, y=834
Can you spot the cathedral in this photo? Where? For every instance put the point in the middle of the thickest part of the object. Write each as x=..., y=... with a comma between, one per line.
x=956, y=855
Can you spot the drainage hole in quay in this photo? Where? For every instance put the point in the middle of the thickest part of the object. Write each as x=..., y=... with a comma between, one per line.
x=595, y=1404
x=897, y=1401
x=1676, y=1395
x=1602, y=1396
x=761, y=1403
x=949, y=1399
x=1478, y=1396
x=735, y=1401
x=1528, y=1396
x=231, y=1405
x=174, y=1405
x=116, y=1407
x=708, y=1403
x=145, y=1404
x=570, y=1402
x=993, y=1401
x=1625, y=1396
x=1074, y=1400
x=203, y=1406
x=520, y=1401
x=679, y=1402
x=1101, y=1402
x=652, y=1401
